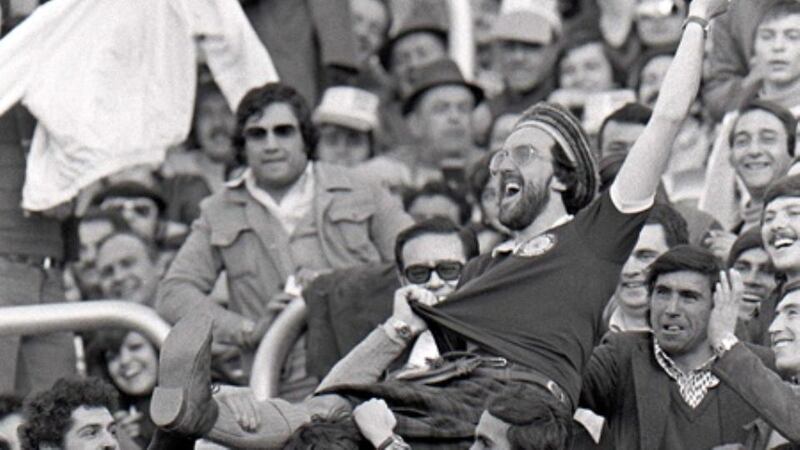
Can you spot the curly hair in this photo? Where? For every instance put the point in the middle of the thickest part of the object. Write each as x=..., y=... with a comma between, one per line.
x=257, y=99
x=48, y=414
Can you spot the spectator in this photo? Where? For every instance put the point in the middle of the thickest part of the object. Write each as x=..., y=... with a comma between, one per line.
x=128, y=361
x=349, y=123
x=284, y=221
x=680, y=404
x=144, y=208
x=418, y=41
x=777, y=55
x=10, y=420
x=93, y=228
x=622, y=128
x=371, y=21
x=501, y=128
x=650, y=74
x=762, y=143
x=775, y=400
x=73, y=414
x=583, y=70
x=484, y=190
x=128, y=268
x=439, y=111
x=437, y=200
x=526, y=49
x=629, y=307
x=750, y=259
x=522, y=417
x=210, y=154
x=349, y=127
x=746, y=58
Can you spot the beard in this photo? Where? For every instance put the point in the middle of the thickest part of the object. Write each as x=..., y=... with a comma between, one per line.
x=520, y=213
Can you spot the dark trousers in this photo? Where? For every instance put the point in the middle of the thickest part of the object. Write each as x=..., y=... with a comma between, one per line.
x=32, y=362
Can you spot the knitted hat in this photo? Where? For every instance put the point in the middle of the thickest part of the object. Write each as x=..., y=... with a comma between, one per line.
x=566, y=130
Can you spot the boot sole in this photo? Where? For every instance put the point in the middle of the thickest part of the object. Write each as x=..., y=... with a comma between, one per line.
x=168, y=404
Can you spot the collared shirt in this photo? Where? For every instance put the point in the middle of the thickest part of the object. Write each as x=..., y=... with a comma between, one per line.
x=295, y=204
x=693, y=386
x=512, y=246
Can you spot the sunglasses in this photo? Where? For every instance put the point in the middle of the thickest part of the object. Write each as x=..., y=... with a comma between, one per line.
x=520, y=156
x=141, y=208
x=259, y=133
x=447, y=271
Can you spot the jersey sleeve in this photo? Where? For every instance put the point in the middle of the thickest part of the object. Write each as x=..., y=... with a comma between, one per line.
x=609, y=233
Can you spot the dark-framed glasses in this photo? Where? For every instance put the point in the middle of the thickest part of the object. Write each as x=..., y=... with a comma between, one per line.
x=420, y=273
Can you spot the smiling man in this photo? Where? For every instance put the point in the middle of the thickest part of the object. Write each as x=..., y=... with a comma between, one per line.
x=286, y=220
x=762, y=147
x=656, y=389
x=776, y=398
x=127, y=268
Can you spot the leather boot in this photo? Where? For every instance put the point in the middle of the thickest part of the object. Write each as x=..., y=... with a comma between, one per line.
x=182, y=401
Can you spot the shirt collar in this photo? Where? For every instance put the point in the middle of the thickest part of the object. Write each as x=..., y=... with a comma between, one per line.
x=512, y=246
x=693, y=386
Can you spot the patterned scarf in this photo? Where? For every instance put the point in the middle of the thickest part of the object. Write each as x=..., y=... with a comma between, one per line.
x=693, y=386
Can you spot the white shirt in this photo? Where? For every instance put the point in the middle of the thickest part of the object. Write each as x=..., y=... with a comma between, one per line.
x=295, y=204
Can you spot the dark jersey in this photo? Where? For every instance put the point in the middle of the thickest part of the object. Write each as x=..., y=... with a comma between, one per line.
x=541, y=307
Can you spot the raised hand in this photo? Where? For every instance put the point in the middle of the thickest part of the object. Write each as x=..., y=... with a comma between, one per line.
x=727, y=301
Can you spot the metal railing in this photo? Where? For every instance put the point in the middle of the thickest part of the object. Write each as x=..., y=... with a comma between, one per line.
x=81, y=316
x=275, y=345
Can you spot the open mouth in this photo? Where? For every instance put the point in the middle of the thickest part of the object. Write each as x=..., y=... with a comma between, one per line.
x=672, y=328
x=781, y=343
x=510, y=186
x=756, y=165
x=781, y=242
x=633, y=284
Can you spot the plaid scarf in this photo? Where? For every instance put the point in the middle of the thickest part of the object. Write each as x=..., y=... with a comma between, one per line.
x=693, y=386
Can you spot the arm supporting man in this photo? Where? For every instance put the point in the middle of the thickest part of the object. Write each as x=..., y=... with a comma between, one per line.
x=776, y=401
x=367, y=362
x=635, y=186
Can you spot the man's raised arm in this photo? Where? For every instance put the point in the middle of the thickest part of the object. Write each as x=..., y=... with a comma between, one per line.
x=635, y=186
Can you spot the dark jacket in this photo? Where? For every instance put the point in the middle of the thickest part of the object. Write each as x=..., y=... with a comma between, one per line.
x=776, y=401
x=624, y=383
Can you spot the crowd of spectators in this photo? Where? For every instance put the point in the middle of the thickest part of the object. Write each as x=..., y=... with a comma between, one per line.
x=592, y=241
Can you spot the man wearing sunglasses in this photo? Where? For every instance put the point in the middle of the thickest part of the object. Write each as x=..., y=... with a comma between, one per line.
x=274, y=229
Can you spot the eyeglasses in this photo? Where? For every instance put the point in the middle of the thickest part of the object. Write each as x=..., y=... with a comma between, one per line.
x=520, y=155
x=447, y=271
x=140, y=207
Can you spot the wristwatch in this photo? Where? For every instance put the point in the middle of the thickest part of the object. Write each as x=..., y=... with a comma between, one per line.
x=725, y=344
x=402, y=329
